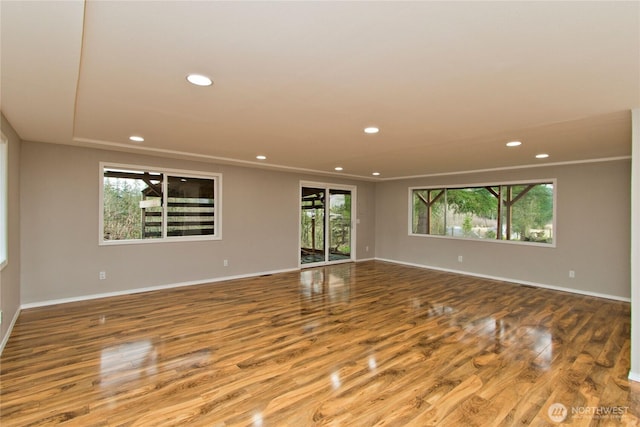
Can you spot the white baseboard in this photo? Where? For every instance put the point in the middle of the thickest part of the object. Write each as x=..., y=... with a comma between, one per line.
x=244, y=276
x=634, y=376
x=150, y=288
x=510, y=280
x=8, y=334
x=156, y=288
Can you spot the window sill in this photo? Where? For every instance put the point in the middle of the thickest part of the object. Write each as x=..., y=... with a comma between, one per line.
x=165, y=240
x=467, y=239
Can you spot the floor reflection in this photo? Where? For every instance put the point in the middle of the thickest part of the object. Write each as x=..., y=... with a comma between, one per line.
x=312, y=282
x=121, y=357
x=142, y=360
x=326, y=288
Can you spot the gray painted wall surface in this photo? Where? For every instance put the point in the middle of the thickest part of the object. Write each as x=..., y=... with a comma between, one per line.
x=592, y=230
x=61, y=257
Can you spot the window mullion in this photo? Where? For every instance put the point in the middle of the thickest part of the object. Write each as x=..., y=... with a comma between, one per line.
x=446, y=211
x=165, y=204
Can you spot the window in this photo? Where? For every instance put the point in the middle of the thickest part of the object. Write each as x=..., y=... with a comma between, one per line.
x=522, y=212
x=143, y=205
x=4, y=200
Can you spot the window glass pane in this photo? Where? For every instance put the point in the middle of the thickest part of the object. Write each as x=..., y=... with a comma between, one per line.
x=428, y=216
x=132, y=205
x=472, y=213
x=420, y=211
x=532, y=213
x=438, y=222
x=190, y=206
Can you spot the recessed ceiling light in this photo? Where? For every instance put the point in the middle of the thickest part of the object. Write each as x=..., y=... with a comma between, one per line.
x=338, y=168
x=542, y=156
x=199, y=80
x=371, y=129
x=261, y=157
x=513, y=143
x=376, y=174
x=136, y=138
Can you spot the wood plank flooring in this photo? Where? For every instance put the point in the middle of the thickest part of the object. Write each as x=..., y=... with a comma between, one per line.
x=366, y=344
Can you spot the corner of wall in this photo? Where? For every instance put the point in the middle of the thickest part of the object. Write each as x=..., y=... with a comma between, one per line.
x=634, y=376
x=6, y=336
x=634, y=358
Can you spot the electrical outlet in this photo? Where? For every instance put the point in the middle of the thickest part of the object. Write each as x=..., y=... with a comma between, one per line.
x=225, y=263
x=0, y=317
x=102, y=275
x=366, y=249
x=460, y=258
x=572, y=274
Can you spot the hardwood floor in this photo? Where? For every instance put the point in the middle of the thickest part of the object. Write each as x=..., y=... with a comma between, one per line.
x=365, y=344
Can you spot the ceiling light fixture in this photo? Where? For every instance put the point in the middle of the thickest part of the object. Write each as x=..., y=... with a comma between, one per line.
x=199, y=80
x=338, y=168
x=371, y=130
x=513, y=143
x=542, y=156
x=376, y=174
x=136, y=138
x=261, y=157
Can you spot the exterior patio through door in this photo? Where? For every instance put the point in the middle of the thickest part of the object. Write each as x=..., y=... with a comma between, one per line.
x=326, y=226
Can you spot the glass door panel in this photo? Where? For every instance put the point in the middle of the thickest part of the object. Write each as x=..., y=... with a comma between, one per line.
x=312, y=225
x=339, y=225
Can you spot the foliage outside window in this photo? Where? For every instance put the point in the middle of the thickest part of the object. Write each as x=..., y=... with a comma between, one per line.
x=522, y=212
x=139, y=204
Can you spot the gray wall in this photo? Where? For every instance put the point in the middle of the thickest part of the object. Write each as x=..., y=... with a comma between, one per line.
x=592, y=230
x=61, y=257
x=10, y=275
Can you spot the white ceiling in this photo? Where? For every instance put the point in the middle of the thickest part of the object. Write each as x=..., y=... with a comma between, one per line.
x=448, y=83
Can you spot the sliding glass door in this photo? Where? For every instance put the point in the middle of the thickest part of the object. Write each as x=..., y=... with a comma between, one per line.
x=326, y=226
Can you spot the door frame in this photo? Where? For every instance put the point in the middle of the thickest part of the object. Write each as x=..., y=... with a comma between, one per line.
x=327, y=186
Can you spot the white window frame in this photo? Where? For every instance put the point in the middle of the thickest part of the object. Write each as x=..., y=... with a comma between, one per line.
x=553, y=181
x=4, y=201
x=216, y=177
